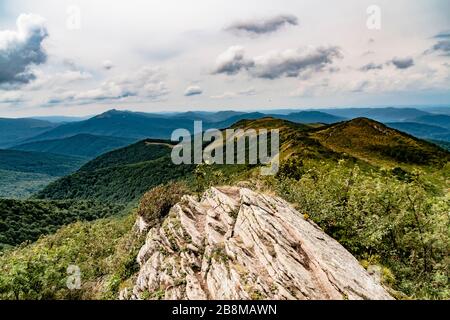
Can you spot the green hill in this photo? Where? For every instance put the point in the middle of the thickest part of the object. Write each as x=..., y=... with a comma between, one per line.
x=120, y=176
x=134, y=125
x=23, y=173
x=375, y=143
x=387, y=114
x=441, y=120
x=141, y=151
x=420, y=130
x=311, y=117
x=27, y=220
x=39, y=162
x=84, y=145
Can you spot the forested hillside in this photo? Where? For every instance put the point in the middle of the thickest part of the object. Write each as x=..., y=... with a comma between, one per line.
x=83, y=145
x=39, y=162
x=27, y=220
x=122, y=175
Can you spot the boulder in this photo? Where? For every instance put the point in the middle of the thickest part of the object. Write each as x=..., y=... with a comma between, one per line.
x=234, y=243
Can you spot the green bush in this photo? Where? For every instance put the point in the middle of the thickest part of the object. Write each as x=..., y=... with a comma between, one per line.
x=156, y=203
x=105, y=251
x=375, y=213
x=27, y=220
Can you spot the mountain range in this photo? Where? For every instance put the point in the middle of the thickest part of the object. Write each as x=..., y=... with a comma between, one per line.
x=139, y=125
x=82, y=139
x=125, y=174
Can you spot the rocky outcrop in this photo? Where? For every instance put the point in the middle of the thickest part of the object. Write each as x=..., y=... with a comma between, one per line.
x=238, y=244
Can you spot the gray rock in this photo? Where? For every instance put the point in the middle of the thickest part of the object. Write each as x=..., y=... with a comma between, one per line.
x=238, y=244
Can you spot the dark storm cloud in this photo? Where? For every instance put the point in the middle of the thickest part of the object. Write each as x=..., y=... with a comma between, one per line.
x=263, y=26
x=22, y=48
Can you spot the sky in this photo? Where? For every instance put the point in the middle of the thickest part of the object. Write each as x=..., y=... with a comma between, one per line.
x=83, y=57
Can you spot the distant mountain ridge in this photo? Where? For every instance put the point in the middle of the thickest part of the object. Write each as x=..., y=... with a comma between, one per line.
x=141, y=125
x=85, y=145
x=13, y=131
x=388, y=114
x=434, y=119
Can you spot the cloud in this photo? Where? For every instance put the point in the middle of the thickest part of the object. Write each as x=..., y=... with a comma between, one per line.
x=11, y=97
x=193, y=91
x=263, y=26
x=360, y=87
x=230, y=94
x=443, y=34
x=371, y=66
x=46, y=80
x=443, y=45
x=107, y=65
x=402, y=63
x=291, y=63
x=232, y=61
x=277, y=64
x=147, y=83
x=22, y=48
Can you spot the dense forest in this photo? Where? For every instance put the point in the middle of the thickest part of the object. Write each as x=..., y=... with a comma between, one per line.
x=39, y=162
x=27, y=220
x=121, y=184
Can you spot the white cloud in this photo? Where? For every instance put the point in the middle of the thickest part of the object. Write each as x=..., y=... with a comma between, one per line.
x=193, y=91
x=11, y=97
x=232, y=94
x=107, y=65
x=45, y=80
x=276, y=64
x=232, y=61
x=146, y=83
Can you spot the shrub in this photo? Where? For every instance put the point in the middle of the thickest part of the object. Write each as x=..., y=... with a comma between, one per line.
x=292, y=168
x=374, y=213
x=156, y=203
